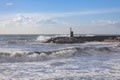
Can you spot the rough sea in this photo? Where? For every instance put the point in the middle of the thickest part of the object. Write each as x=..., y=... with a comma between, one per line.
x=25, y=57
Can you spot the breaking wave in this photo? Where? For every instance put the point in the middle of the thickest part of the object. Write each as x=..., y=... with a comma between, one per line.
x=45, y=38
x=33, y=56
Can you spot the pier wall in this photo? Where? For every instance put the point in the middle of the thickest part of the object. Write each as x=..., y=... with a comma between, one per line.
x=81, y=39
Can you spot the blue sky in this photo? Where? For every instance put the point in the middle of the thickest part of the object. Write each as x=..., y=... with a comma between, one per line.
x=56, y=16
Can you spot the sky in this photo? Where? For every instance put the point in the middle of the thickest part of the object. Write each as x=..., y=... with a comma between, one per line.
x=57, y=16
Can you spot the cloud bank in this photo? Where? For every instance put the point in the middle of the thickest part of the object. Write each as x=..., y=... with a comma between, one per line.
x=29, y=23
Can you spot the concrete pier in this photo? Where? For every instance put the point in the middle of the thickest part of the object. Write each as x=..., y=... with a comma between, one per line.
x=82, y=39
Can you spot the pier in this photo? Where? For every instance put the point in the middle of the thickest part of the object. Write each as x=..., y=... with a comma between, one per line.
x=82, y=39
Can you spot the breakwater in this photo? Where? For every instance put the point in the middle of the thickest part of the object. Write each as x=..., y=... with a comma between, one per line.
x=82, y=39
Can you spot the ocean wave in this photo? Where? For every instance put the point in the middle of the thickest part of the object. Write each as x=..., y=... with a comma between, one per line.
x=33, y=56
x=44, y=38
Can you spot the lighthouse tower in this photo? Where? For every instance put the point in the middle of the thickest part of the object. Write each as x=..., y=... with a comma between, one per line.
x=71, y=32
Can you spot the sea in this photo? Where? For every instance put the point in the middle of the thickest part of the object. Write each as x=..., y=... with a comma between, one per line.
x=27, y=57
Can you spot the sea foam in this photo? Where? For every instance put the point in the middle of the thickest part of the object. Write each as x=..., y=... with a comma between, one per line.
x=73, y=51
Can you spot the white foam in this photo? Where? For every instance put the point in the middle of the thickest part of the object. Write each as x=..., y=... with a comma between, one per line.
x=89, y=35
x=18, y=55
x=60, y=64
x=64, y=35
x=32, y=56
x=43, y=38
x=80, y=68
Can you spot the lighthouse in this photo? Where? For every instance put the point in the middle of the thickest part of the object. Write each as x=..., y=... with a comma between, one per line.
x=71, y=32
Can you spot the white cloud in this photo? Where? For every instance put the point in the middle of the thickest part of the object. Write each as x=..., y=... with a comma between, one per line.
x=80, y=13
x=49, y=23
x=96, y=29
x=105, y=22
x=22, y=20
x=27, y=24
x=9, y=4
